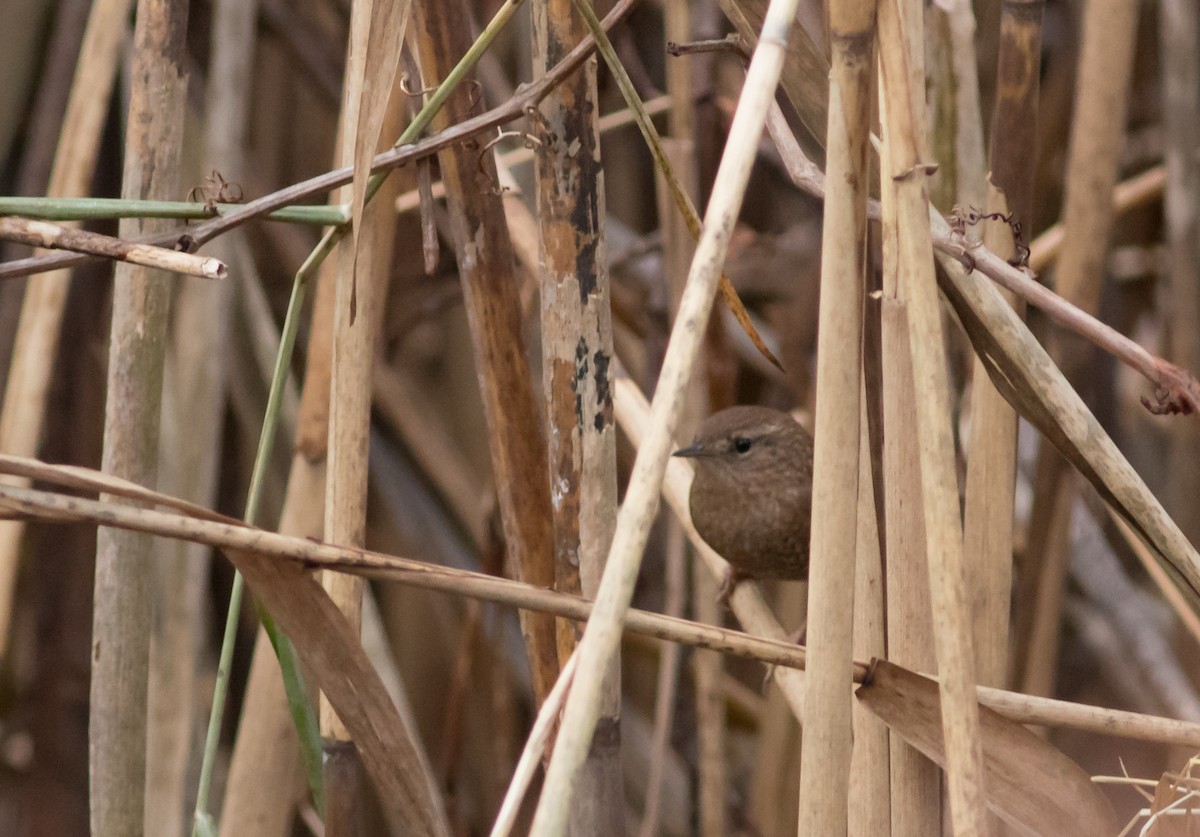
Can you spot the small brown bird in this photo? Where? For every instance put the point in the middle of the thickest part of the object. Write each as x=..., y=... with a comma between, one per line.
x=751, y=499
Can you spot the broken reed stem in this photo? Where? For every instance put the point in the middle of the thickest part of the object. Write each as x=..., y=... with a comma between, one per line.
x=53, y=507
x=826, y=744
x=602, y=635
x=55, y=237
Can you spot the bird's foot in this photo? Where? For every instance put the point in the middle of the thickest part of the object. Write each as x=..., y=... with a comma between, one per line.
x=799, y=635
x=729, y=581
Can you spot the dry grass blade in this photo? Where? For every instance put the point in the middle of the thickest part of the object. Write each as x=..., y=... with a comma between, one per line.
x=1175, y=811
x=826, y=745
x=332, y=651
x=1030, y=784
x=376, y=36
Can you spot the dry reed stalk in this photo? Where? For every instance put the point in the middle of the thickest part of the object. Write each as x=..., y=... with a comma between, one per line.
x=826, y=745
x=869, y=798
x=485, y=258
x=904, y=174
x=1097, y=137
x=228, y=534
x=667, y=685
x=989, y=495
x=711, y=732
x=915, y=780
x=194, y=403
x=991, y=462
x=1040, y=663
x=60, y=237
x=577, y=348
x=363, y=261
x=805, y=71
x=36, y=345
x=678, y=247
x=602, y=635
x=707, y=668
x=123, y=604
x=775, y=780
x=1180, y=41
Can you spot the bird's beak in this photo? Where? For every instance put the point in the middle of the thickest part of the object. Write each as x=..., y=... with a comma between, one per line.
x=692, y=450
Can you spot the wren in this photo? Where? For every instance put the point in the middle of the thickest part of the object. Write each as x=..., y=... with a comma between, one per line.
x=751, y=499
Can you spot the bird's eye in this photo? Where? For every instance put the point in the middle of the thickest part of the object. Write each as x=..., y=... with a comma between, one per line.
x=742, y=445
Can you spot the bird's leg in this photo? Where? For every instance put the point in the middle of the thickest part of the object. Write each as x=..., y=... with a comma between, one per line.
x=729, y=581
x=798, y=637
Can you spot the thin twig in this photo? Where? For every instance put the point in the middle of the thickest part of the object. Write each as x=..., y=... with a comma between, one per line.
x=54, y=507
x=526, y=98
x=45, y=234
x=1176, y=389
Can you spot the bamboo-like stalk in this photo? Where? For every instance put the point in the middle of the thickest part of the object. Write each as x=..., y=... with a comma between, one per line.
x=916, y=785
x=869, y=797
x=485, y=260
x=903, y=174
x=234, y=535
x=602, y=635
x=363, y=265
x=826, y=746
x=577, y=350
x=36, y=343
x=122, y=605
x=991, y=463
